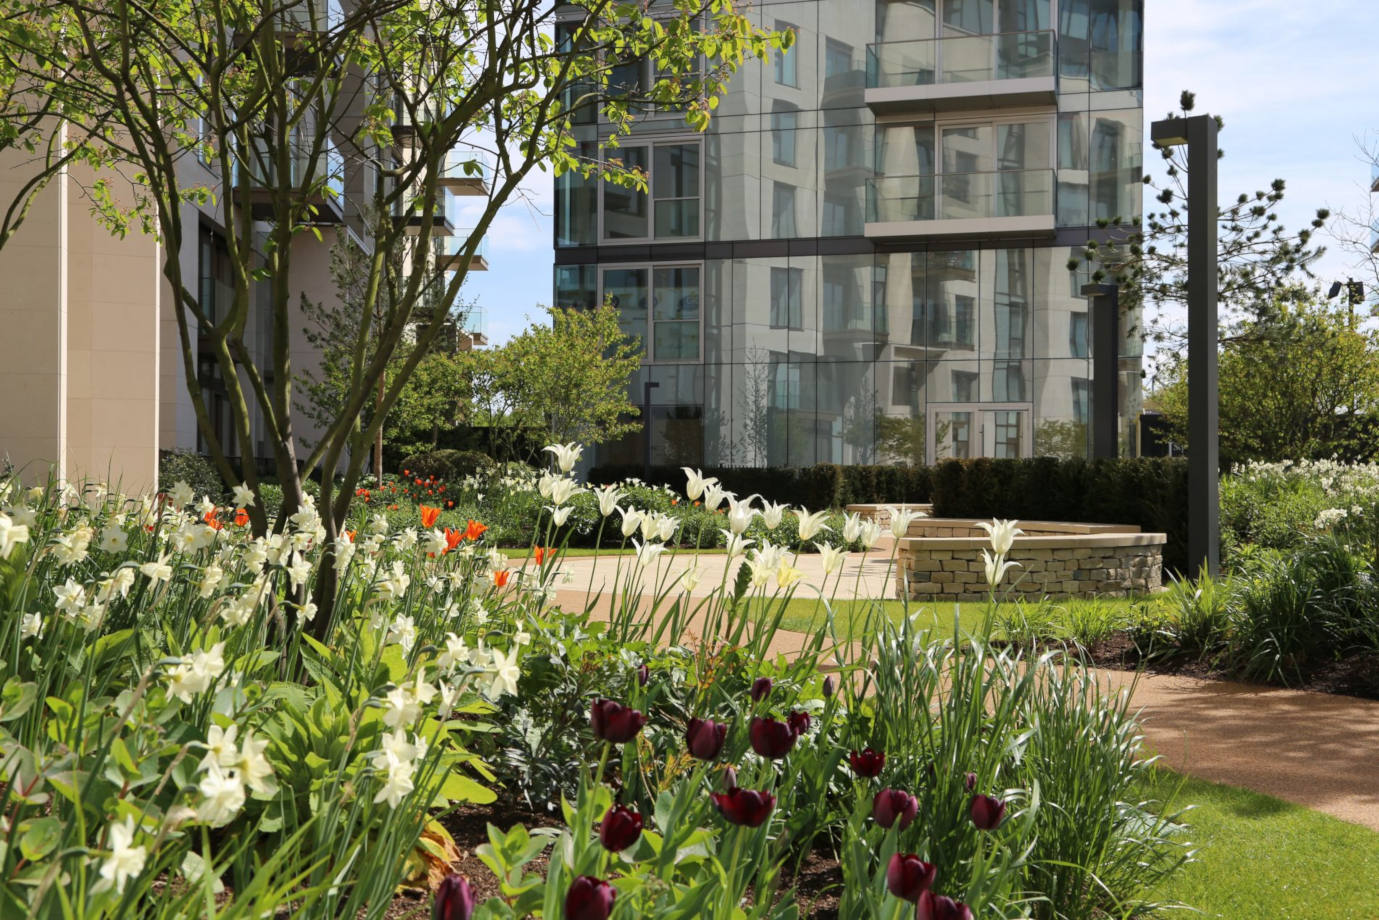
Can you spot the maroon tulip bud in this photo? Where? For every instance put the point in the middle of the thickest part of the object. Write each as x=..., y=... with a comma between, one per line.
x=643, y=674
x=615, y=722
x=771, y=738
x=938, y=907
x=454, y=899
x=908, y=876
x=729, y=777
x=828, y=687
x=620, y=828
x=869, y=763
x=761, y=689
x=747, y=807
x=799, y=721
x=970, y=781
x=987, y=812
x=589, y=898
x=705, y=738
x=891, y=805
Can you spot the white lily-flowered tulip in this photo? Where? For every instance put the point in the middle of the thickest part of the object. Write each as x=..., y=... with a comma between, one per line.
x=1002, y=534
x=772, y=514
x=831, y=558
x=631, y=520
x=870, y=532
x=811, y=524
x=740, y=514
x=852, y=527
x=696, y=483
x=996, y=567
x=608, y=500
x=714, y=495
x=566, y=455
x=736, y=544
x=901, y=520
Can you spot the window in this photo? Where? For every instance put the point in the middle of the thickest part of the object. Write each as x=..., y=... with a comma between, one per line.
x=660, y=306
x=783, y=211
x=1077, y=335
x=786, y=74
x=1082, y=399
x=1008, y=382
x=785, y=386
x=787, y=311
x=837, y=58
x=964, y=310
x=672, y=210
x=902, y=385
x=965, y=386
x=973, y=17
x=785, y=119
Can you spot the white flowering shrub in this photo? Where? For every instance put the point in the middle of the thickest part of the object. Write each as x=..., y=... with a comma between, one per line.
x=1286, y=505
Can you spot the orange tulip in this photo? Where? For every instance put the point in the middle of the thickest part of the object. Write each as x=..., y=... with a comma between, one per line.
x=474, y=530
x=241, y=517
x=429, y=515
x=350, y=534
x=500, y=577
x=540, y=554
x=452, y=538
x=211, y=520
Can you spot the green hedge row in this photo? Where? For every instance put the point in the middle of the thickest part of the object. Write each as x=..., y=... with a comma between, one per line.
x=1148, y=492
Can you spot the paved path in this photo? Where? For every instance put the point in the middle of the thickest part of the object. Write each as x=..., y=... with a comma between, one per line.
x=1315, y=749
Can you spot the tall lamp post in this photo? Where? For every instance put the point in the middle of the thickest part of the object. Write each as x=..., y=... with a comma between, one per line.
x=1204, y=525
x=1105, y=300
x=647, y=387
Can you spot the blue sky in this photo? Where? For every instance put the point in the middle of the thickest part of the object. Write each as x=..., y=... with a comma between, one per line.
x=1295, y=80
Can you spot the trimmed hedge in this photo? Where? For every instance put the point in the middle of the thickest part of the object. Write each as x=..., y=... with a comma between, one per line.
x=1148, y=492
x=445, y=465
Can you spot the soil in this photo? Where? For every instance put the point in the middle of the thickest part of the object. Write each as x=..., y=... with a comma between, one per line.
x=1354, y=674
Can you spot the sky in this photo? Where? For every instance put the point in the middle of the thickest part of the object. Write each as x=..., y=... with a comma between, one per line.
x=1296, y=82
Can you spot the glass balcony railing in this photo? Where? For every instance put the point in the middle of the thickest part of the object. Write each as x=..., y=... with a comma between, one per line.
x=313, y=15
x=450, y=251
x=465, y=169
x=961, y=196
x=961, y=59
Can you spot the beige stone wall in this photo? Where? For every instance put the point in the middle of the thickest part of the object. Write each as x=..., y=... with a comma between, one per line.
x=1100, y=567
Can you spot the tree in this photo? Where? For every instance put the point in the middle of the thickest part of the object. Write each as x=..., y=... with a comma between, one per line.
x=1302, y=384
x=287, y=104
x=1259, y=260
x=1355, y=229
x=569, y=379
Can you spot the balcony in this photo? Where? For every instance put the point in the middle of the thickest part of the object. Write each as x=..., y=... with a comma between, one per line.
x=411, y=211
x=325, y=196
x=963, y=72
x=465, y=173
x=450, y=253
x=1016, y=203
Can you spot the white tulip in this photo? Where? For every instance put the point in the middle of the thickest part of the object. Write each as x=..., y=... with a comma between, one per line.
x=714, y=496
x=631, y=520
x=697, y=483
x=740, y=514
x=811, y=524
x=566, y=455
x=831, y=558
x=996, y=567
x=901, y=520
x=852, y=527
x=608, y=500
x=1002, y=534
x=772, y=514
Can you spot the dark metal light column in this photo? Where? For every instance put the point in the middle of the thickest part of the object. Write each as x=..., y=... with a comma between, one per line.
x=1105, y=310
x=647, y=387
x=1204, y=526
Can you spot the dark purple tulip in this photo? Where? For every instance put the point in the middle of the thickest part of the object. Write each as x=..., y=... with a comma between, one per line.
x=771, y=738
x=589, y=898
x=970, y=781
x=620, y=828
x=869, y=763
x=705, y=738
x=828, y=687
x=938, y=907
x=454, y=899
x=761, y=689
x=908, y=876
x=892, y=805
x=744, y=806
x=799, y=722
x=643, y=674
x=987, y=812
x=615, y=722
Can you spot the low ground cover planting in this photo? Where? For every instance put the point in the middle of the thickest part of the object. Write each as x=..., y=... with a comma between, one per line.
x=186, y=730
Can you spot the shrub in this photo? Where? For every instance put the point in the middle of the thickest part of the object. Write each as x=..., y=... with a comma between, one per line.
x=194, y=469
x=446, y=465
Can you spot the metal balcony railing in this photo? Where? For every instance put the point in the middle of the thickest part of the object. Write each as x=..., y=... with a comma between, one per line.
x=962, y=59
x=961, y=196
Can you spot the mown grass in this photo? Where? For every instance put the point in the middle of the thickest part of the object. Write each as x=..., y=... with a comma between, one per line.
x=1261, y=858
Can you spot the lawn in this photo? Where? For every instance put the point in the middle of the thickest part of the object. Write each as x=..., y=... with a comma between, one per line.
x=1260, y=857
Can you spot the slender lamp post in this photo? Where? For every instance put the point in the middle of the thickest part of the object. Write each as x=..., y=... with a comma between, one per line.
x=647, y=387
x=1204, y=525
x=1105, y=300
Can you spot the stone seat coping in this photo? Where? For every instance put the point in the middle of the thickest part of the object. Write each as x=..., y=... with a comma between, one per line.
x=1032, y=528
x=873, y=507
x=1061, y=541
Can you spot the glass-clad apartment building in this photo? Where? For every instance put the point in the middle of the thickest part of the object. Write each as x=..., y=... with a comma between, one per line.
x=867, y=257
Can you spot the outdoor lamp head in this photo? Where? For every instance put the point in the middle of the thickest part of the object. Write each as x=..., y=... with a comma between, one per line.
x=1171, y=132
x=1335, y=289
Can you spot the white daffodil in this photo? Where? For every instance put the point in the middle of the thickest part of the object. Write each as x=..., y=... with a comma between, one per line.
x=197, y=674
x=71, y=548
x=505, y=673
x=714, y=495
x=308, y=611
x=91, y=616
x=566, y=455
x=403, y=631
x=435, y=543
x=832, y=559
x=298, y=571
x=996, y=567
x=125, y=861
x=30, y=625
x=631, y=520
x=157, y=571
x=608, y=500
x=119, y=582
x=397, y=782
x=244, y=496
x=254, y=767
x=811, y=525
x=222, y=796
x=11, y=535
x=740, y=514
x=205, y=507
x=901, y=519
x=456, y=653
x=772, y=514
x=378, y=523
x=696, y=483
x=181, y=494
x=114, y=539
x=71, y=597
x=211, y=577
x=407, y=539
x=221, y=747
x=344, y=551
x=1002, y=534
x=852, y=527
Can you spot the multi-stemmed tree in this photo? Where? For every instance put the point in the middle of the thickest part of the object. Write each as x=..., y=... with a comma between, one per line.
x=289, y=104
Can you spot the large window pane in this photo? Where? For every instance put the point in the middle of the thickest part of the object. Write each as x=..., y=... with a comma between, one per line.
x=625, y=288
x=675, y=186
x=968, y=17
x=676, y=314
x=576, y=211
x=625, y=209
x=784, y=122
x=785, y=61
x=783, y=211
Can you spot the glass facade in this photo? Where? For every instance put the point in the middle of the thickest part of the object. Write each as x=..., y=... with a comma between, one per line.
x=782, y=329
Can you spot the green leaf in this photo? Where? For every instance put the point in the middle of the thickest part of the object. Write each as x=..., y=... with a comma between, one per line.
x=16, y=699
x=460, y=788
x=41, y=837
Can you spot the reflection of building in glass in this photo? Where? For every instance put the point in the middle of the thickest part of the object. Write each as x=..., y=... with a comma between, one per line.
x=866, y=258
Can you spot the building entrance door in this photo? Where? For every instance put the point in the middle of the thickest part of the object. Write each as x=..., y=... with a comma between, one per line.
x=963, y=430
